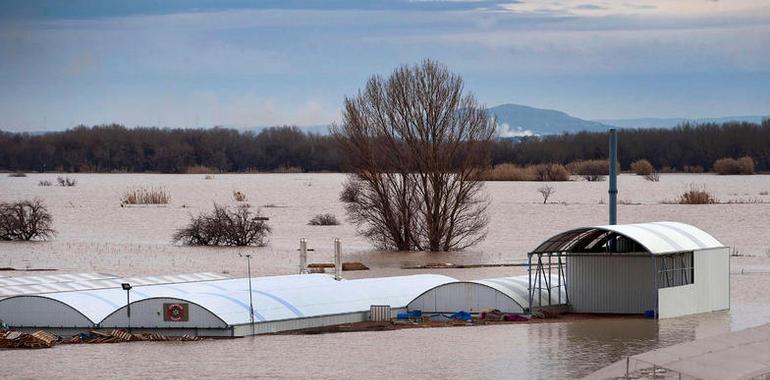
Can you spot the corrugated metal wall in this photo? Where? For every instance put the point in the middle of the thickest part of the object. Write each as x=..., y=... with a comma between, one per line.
x=465, y=296
x=149, y=313
x=619, y=284
x=31, y=311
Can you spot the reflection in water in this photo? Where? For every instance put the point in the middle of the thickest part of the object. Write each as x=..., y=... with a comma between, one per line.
x=536, y=350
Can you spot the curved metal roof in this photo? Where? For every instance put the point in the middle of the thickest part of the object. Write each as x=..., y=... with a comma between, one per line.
x=275, y=298
x=30, y=285
x=6, y=281
x=657, y=238
x=516, y=288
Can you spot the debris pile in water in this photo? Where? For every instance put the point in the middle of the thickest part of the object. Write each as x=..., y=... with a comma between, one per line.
x=44, y=339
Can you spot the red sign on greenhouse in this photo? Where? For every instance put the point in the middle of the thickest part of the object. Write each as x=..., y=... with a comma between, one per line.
x=176, y=312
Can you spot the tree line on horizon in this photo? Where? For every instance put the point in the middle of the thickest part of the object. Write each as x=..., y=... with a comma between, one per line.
x=115, y=148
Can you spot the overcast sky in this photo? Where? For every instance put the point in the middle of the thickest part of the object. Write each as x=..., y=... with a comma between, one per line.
x=240, y=63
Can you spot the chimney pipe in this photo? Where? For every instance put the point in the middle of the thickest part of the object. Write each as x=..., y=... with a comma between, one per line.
x=302, y=256
x=337, y=259
x=613, y=191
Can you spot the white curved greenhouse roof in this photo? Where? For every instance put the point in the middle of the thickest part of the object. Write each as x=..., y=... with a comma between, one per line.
x=31, y=285
x=516, y=288
x=52, y=279
x=274, y=298
x=657, y=238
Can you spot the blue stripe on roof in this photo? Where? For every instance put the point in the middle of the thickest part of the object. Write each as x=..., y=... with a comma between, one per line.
x=140, y=294
x=283, y=302
x=174, y=288
x=105, y=300
x=215, y=287
x=233, y=299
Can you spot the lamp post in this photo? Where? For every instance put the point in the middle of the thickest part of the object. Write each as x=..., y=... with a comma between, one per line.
x=127, y=287
x=251, y=301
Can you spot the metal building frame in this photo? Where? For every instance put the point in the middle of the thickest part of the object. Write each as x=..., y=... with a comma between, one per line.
x=671, y=248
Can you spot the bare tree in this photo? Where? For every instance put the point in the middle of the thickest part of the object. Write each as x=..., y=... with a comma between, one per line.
x=25, y=220
x=546, y=192
x=229, y=226
x=414, y=144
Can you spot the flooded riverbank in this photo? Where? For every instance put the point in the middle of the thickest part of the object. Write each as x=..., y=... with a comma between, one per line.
x=96, y=234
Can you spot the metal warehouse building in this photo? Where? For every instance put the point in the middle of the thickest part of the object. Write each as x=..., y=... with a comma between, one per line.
x=507, y=294
x=218, y=307
x=666, y=268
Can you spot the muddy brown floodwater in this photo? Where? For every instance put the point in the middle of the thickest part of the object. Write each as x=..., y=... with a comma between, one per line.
x=96, y=234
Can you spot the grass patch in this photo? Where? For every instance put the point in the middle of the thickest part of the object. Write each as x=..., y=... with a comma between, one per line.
x=540, y=172
x=145, y=196
x=697, y=195
x=17, y=175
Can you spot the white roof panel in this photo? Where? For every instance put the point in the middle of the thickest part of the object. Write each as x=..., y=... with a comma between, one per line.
x=517, y=289
x=275, y=298
x=658, y=237
x=53, y=278
x=92, y=282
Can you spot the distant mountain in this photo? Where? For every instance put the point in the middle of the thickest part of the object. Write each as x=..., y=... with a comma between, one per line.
x=516, y=120
x=652, y=122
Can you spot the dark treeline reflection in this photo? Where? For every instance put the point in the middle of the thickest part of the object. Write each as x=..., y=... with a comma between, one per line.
x=114, y=148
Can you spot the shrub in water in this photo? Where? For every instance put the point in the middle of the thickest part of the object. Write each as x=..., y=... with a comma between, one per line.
x=653, y=177
x=642, y=167
x=44, y=182
x=25, y=220
x=731, y=166
x=590, y=170
x=696, y=169
x=239, y=196
x=549, y=172
x=66, y=181
x=324, y=220
x=225, y=226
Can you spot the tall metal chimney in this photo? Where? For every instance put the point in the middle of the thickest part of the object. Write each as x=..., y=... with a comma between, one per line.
x=337, y=259
x=302, y=256
x=613, y=191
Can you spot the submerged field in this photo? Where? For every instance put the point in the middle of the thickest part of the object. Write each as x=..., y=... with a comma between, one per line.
x=96, y=233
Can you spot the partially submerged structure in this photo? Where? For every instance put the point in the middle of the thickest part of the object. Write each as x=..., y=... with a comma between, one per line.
x=666, y=269
x=67, y=282
x=506, y=294
x=219, y=307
